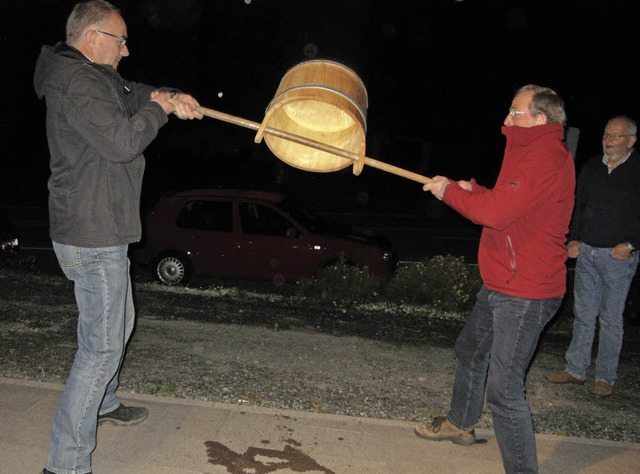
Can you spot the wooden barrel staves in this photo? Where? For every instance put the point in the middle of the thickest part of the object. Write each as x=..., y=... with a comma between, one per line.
x=323, y=101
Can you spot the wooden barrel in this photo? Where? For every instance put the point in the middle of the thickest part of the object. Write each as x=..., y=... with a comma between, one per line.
x=323, y=101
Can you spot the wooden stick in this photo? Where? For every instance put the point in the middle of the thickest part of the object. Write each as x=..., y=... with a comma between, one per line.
x=314, y=144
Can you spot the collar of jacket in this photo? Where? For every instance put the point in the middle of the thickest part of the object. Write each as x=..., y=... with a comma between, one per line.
x=522, y=136
x=63, y=49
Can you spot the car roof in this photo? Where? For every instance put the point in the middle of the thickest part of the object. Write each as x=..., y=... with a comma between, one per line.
x=232, y=193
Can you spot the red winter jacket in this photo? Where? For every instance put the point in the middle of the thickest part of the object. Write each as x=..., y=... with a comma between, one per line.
x=525, y=217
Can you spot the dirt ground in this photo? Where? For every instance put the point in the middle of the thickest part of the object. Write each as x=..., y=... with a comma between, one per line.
x=264, y=346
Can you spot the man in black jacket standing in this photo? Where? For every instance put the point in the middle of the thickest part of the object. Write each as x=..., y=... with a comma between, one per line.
x=604, y=236
x=98, y=126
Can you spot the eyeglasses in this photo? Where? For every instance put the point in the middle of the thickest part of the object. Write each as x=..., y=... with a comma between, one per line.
x=121, y=39
x=615, y=136
x=513, y=113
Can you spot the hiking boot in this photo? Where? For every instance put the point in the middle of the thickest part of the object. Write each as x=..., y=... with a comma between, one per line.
x=441, y=429
x=602, y=389
x=563, y=377
x=125, y=416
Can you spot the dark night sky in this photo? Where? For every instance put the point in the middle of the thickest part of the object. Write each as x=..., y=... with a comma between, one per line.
x=439, y=73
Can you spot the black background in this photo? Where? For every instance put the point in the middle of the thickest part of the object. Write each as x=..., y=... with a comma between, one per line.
x=439, y=75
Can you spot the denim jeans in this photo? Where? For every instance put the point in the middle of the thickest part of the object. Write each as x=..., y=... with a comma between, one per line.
x=601, y=286
x=495, y=348
x=102, y=287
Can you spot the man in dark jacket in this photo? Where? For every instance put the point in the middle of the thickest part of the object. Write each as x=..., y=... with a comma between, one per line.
x=98, y=125
x=522, y=256
x=604, y=237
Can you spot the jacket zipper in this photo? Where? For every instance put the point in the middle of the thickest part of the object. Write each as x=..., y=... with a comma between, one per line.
x=511, y=256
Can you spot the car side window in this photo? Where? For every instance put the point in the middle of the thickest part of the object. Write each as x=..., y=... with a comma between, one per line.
x=206, y=215
x=263, y=220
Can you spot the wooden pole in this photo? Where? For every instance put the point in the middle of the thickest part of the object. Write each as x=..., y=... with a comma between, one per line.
x=314, y=144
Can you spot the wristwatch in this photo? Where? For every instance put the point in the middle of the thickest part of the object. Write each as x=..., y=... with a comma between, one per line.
x=631, y=248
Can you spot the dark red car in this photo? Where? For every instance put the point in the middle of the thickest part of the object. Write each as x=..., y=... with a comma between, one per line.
x=253, y=235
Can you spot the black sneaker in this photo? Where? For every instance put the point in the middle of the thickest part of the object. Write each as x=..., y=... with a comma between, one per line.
x=125, y=416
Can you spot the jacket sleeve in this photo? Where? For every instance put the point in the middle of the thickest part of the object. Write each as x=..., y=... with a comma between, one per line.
x=138, y=95
x=521, y=187
x=98, y=113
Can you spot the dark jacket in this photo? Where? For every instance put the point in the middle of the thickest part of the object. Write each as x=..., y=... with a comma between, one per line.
x=607, y=210
x=525, y=217
x=97, y=125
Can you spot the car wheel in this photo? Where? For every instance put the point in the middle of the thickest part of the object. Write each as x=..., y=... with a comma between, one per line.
x=173, y=269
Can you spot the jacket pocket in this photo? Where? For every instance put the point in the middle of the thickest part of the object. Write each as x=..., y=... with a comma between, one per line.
x=69, y=260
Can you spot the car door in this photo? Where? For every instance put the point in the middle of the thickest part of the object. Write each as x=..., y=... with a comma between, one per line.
x=274, y=247
x=206, y=233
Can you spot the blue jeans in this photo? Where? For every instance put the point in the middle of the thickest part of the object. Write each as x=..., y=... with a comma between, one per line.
x=495, y=349
x=601, y=286
x=102, y=287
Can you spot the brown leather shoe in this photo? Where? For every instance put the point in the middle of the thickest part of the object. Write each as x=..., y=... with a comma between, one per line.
x=602, y=389
x=442, y=429
x=563, y=377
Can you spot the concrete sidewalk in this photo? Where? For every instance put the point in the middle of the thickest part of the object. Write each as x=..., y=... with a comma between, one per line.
x=187, y=436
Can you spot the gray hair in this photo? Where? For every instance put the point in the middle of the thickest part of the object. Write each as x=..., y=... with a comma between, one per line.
x=632, y=126
x=546, y=101
x=86, y=14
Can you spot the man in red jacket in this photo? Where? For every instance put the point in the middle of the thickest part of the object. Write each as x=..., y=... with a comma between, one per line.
x=522, y=256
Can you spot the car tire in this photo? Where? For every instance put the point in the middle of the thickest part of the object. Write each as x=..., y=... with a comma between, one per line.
x=173, y=269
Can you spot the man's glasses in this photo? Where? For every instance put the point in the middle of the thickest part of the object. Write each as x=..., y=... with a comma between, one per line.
x=615, y=136
x=513, y=113
x=121, y=39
